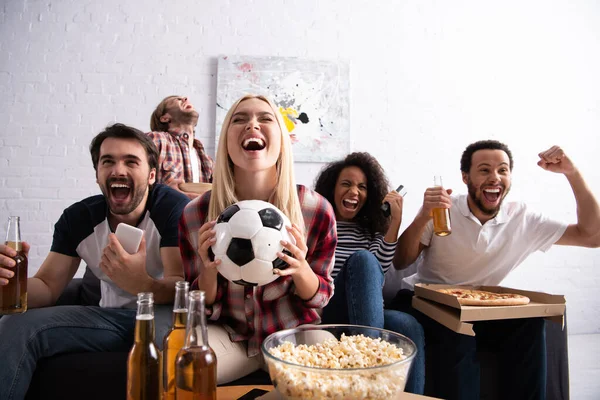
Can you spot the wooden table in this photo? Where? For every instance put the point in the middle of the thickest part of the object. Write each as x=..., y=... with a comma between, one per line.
x=234, y=392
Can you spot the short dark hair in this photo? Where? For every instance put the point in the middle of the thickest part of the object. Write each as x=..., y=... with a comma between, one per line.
x=467, y=155
x=121, y=131
x=156, y=125
x=370, y=215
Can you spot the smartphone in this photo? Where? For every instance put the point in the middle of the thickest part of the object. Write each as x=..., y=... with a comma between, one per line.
x=253, y=394
x=385, y=207
x=130, y=237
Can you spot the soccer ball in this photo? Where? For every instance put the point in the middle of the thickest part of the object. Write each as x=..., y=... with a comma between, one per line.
x=248, y=239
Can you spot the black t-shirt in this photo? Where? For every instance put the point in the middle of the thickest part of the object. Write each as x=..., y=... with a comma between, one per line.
x=82, y=231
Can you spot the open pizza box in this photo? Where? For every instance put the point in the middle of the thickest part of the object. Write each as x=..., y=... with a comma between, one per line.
x=445, y=308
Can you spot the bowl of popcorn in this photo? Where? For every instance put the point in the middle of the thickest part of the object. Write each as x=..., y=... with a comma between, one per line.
x=338, y=362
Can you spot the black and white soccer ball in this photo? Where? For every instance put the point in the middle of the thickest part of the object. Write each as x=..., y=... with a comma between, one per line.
x=248, y=240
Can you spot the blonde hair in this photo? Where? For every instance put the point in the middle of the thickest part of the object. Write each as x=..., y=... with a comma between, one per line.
x=285, y=194
x=156, y=125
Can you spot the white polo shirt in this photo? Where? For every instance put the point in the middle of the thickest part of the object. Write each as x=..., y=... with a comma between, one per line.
x=476, y=254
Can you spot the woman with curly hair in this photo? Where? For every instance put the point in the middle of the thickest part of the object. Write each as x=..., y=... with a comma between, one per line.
x=357, y=187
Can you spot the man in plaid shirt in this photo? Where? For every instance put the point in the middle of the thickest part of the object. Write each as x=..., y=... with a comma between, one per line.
x=182, y=158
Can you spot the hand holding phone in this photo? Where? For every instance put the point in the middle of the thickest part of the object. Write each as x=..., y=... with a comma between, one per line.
x=385, y=207
x=130, y=237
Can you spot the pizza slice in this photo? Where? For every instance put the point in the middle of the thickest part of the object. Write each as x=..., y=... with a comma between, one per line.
x=474, y=297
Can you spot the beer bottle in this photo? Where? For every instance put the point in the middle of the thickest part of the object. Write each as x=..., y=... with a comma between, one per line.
x=196, y=365
x=441, y=216
x=13, y=297
x=175, y=338
x=144, y=375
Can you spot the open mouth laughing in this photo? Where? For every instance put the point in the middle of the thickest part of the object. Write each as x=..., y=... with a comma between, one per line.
x=120, y=191
x=492, y=195
x=350, y=204
x=253, y=144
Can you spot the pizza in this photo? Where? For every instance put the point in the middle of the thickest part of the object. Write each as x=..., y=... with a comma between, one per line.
x=473, y=297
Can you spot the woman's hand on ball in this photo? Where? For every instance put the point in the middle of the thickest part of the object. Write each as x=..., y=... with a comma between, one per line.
x=206, y=238
x=297, y=263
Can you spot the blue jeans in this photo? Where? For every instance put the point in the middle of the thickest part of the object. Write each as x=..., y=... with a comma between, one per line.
x=45, y=332
x=358, y=299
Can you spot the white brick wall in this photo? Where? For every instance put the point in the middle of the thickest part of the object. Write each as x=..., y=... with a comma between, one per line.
x=427, y=78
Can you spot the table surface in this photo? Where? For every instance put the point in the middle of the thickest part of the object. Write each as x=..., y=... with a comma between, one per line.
x=233, y=392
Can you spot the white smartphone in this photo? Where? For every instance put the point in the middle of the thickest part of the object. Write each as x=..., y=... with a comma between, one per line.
x=130, y=237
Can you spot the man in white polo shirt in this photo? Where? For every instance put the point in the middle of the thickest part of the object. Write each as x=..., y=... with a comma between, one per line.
x=489, y=239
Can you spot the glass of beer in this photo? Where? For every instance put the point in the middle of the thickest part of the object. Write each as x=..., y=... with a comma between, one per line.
x=13, y=297
x=441, y=216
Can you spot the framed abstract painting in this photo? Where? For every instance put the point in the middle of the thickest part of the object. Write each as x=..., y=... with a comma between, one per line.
x=312, y=96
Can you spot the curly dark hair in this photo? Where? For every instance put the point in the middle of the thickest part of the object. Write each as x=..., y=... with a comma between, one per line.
x=467, y=156
x=370, y=216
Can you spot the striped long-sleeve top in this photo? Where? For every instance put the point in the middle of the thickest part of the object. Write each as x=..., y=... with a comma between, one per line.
x=352, y=237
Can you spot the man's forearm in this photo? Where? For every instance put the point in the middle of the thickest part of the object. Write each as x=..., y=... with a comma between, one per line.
x=408, y=247
x=163, y=289
x=588, y=210
x=38, y=294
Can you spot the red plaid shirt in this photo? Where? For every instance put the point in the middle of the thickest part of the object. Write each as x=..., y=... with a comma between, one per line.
x=253, y=313
x=174, y=157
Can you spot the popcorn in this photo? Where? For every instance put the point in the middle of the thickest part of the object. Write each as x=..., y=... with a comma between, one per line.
x=356, y=351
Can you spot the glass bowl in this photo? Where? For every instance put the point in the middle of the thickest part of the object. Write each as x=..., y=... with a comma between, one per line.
x=350, y=370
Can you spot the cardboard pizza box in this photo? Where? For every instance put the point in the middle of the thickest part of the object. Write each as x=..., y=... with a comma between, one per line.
x=446, y=309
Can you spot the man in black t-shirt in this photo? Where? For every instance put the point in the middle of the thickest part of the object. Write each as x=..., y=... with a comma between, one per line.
x=125, y=161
